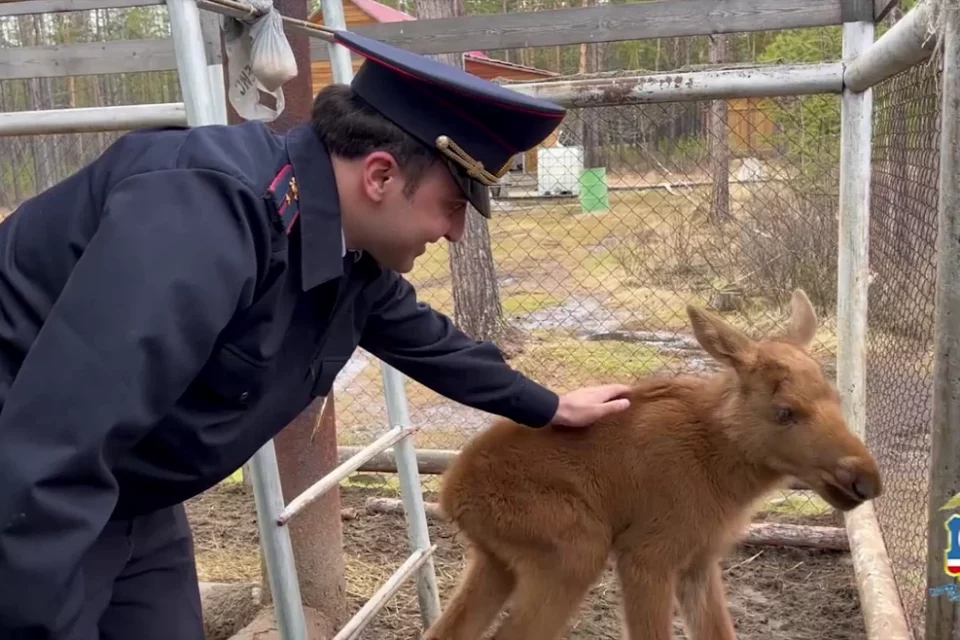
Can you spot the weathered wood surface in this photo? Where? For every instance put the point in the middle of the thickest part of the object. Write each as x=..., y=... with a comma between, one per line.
x=608, y=23
x=768, y=534
x=26, y=7
x=433, y=462
x=88, y=58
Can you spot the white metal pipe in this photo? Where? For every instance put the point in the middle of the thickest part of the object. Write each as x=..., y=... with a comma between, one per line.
x=337, y=476
x=92, y=119
x=904, y=45
x=755, y=81
x=365, y=615
x=856, y=110
x=191, y=62
x=341, y=66
x=418, y=532
x=275, y=542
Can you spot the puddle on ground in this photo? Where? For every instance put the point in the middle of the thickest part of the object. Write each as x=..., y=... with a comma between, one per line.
x=586, y=317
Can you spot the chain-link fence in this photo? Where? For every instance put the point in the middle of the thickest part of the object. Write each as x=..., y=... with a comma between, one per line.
x=903, y=234
x=726, y=203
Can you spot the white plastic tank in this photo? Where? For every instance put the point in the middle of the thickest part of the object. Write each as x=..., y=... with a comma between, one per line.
x=559, y=170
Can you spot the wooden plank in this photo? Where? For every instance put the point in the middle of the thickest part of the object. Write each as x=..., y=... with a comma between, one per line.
x=608, y=23
x=857, y=11
x=764, y=534
x=882, y=7
x=25, y=7
x=122, y=56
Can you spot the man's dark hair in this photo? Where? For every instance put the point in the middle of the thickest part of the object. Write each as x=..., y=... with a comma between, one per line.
x=351, y=128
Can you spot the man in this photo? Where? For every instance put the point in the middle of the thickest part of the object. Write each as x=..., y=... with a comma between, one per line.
x=169, y=308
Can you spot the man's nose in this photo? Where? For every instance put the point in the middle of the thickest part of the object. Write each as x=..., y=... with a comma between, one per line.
x=456, y=229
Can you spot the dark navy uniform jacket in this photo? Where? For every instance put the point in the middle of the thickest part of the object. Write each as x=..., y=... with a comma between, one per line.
x=161, y=318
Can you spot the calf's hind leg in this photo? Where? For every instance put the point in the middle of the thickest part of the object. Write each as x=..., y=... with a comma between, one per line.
x=542, y=606
x=478, y=598
x=549, y=588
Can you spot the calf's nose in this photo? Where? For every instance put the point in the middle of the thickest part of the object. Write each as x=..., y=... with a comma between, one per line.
x=860, y=477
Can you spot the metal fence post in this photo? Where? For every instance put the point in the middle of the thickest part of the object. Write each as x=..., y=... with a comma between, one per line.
x=276, y=544
x=412, y=494
x=198, y=96
x=395, y=394
x=854, y=224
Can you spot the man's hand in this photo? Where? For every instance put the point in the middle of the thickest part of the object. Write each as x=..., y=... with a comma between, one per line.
x=585, y=406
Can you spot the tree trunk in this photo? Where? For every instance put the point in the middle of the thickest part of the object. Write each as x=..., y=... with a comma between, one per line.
x=590, y=125
x=717, y=141
x=307, y=447
x=476, y=295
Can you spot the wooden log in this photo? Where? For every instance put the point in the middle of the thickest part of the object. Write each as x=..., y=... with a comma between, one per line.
x=228, y=607
x=768, y=534
x=434, y=462
x=431, y=462
x=774, y=534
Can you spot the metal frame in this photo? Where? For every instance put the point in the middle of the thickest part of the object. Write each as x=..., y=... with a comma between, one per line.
x=865, y=63
x=272, y=515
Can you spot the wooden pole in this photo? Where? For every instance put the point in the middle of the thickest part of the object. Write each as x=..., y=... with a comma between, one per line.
x=434, y=462
x=942, y=613
x=306, y=451
x=307, y=448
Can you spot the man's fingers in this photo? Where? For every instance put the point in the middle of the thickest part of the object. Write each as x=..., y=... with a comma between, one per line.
x=611, y=391
x=616, y=405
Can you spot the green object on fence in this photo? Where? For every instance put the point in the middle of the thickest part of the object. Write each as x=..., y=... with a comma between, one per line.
x=593, y=190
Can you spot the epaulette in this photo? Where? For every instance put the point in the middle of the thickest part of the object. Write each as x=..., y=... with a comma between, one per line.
x=286, y=197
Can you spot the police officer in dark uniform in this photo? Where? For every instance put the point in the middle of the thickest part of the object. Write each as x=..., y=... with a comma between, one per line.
x=166, y=310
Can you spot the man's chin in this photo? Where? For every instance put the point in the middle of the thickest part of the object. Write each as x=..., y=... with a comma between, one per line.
x=396, y=263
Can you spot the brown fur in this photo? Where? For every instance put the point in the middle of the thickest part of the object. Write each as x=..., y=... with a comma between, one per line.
x=666, y=487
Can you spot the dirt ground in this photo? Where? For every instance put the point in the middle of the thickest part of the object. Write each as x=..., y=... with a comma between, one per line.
x=781, y=594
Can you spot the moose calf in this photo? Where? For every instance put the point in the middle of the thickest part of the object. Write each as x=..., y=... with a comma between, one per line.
x=666, y=486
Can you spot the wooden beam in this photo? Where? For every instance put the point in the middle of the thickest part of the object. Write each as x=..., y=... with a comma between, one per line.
x=434, y=462
x=89, y=58
x=608, y=23
x=25, y=7
x=766, y=534
x=857, y=11
x=882, y=7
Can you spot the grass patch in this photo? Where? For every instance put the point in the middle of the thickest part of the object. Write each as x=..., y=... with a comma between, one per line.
x=566, y=363
x=519, y=304
x=797, y=503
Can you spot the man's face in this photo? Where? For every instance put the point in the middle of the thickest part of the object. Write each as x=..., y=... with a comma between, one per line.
x=402, y=225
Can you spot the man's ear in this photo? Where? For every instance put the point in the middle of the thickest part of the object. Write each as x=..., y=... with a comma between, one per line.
x=379, y=171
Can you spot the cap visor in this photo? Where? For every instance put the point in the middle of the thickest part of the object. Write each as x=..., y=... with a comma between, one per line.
x=476, y=193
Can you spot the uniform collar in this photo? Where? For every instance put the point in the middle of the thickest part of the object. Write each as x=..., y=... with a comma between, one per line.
x=321, y=231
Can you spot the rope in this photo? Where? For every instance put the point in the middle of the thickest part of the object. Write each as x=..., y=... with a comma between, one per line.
x=243, y=11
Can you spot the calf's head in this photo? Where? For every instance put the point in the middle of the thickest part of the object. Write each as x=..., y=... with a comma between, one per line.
x=783, y=413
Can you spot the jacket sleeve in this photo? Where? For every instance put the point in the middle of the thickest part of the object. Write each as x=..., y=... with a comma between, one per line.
x=136, y=320
x=425, y=345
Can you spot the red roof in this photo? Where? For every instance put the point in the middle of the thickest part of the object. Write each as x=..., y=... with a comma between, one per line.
x=383, y=13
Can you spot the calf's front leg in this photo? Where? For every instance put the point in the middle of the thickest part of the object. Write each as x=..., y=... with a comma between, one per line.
x=647, y=597
x=703, y=603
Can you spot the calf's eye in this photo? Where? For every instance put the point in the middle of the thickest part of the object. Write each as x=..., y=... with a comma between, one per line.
x=784, y=415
